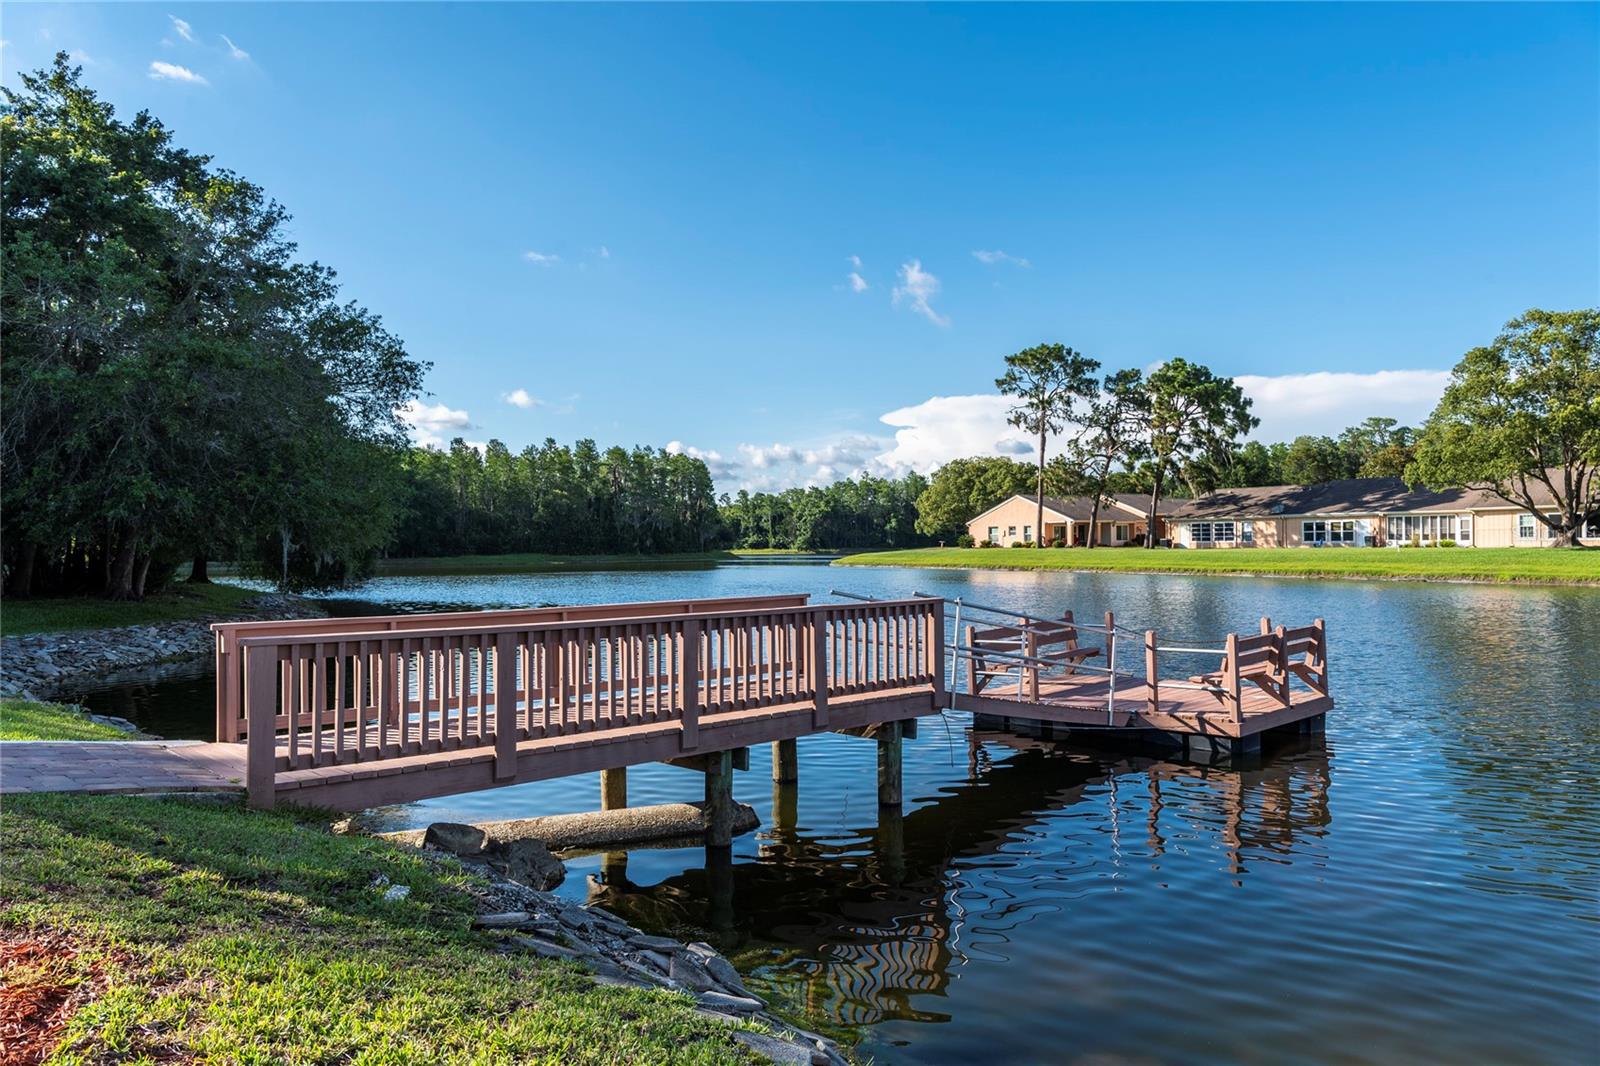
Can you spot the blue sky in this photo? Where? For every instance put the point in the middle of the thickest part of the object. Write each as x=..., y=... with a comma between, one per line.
x=637, y=223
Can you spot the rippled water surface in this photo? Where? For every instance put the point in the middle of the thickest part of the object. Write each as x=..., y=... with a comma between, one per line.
x=1419, y=885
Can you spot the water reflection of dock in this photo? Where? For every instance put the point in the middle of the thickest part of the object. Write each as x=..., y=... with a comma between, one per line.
x=865, y=929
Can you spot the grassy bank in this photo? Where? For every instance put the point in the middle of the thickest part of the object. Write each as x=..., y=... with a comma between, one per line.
x=540, y=563
x=179, y=603
x=176, y=931
x=28, y=720
x=1533, y=565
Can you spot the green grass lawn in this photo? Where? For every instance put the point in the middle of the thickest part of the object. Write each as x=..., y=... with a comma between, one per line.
x=1535, y=565
x=27, y=720
x=541, y=563
x=174, y=605
x=205, y=932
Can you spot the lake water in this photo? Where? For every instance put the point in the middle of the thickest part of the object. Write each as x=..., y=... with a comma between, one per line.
x=1422, y=884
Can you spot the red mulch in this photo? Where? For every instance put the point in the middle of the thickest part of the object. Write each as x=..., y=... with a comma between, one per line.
x=43, y=982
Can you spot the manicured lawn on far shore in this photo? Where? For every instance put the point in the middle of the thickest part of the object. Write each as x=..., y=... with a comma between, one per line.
x=1535, y=565
x=27, y=720
x=541, y=563
x=177, y=604
x=187, y=931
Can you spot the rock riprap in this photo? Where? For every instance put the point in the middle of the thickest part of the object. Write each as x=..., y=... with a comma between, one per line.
x=48, y=666
x=528, y=919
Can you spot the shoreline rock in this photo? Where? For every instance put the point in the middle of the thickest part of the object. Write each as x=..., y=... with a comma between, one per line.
x=59, y=666
x=525, y=919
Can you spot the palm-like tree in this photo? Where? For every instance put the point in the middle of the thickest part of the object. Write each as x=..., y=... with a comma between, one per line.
x=1048, y=381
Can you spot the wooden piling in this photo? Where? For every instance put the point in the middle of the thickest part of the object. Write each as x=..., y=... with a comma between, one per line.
x=785, y=762
x=719, y=800
x=889, y=751
x=614, y=789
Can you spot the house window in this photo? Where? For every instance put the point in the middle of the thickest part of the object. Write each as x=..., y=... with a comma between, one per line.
x=1212, y=532
x=1549, y=532
x=1464, y=529
x=994, y=534
x=1328, y=531
x=1525, y=527
x=1120, y=532
x=1027, y=534
x=1422, y=528
x=1592, y=527
x=1011, y=531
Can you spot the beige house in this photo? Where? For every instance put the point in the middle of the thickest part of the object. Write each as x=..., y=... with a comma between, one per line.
x=1121, y=521
x=1357, y=512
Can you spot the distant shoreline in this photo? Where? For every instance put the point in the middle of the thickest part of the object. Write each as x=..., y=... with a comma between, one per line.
x=1576, y=567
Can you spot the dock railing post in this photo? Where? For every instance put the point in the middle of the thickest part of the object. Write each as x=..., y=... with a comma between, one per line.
x=689, y=682
x=935, y=649
x=1281, y=650
x=505, y=705
x=227, y=684
x=1153, y=696
x=972, y=663
x=1322, y=653
x=819, y=667
x=261, y=713
x=1231, y=678
x=1030, y=648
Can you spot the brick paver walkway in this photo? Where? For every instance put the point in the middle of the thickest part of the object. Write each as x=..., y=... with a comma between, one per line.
x=120, y=766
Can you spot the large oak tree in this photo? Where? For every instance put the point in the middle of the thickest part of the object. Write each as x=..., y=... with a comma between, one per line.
x=1520, y=415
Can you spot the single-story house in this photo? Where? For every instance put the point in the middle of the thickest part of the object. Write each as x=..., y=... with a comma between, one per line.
x=1358, y=512
x=1121, y=520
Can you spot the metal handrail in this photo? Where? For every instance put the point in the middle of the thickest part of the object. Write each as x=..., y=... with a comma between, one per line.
x=1192, y=651
x=980, y=607
x=1028, y=660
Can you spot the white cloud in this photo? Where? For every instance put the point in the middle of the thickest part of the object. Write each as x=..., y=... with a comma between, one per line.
x=82, y=57
x=718, y=466
x=775, y=455
x=918, y=287
x=942, y=428
x=521, y=398
x=430, y=423
x=542, y=258
x=182, y=27
x=603, y=252
x=234, y=50
x=172, y=72
x=1326, y=401
x=997, y=256
x=858, y=283
x=854, y=451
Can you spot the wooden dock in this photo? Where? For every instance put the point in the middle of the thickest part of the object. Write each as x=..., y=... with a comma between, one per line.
x=351, y=713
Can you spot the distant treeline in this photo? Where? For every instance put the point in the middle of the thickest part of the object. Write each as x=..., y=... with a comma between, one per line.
x=554, y=498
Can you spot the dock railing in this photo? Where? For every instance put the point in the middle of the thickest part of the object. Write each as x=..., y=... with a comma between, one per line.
x=313, y=699
x=230, y=665
x=1269, y=660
